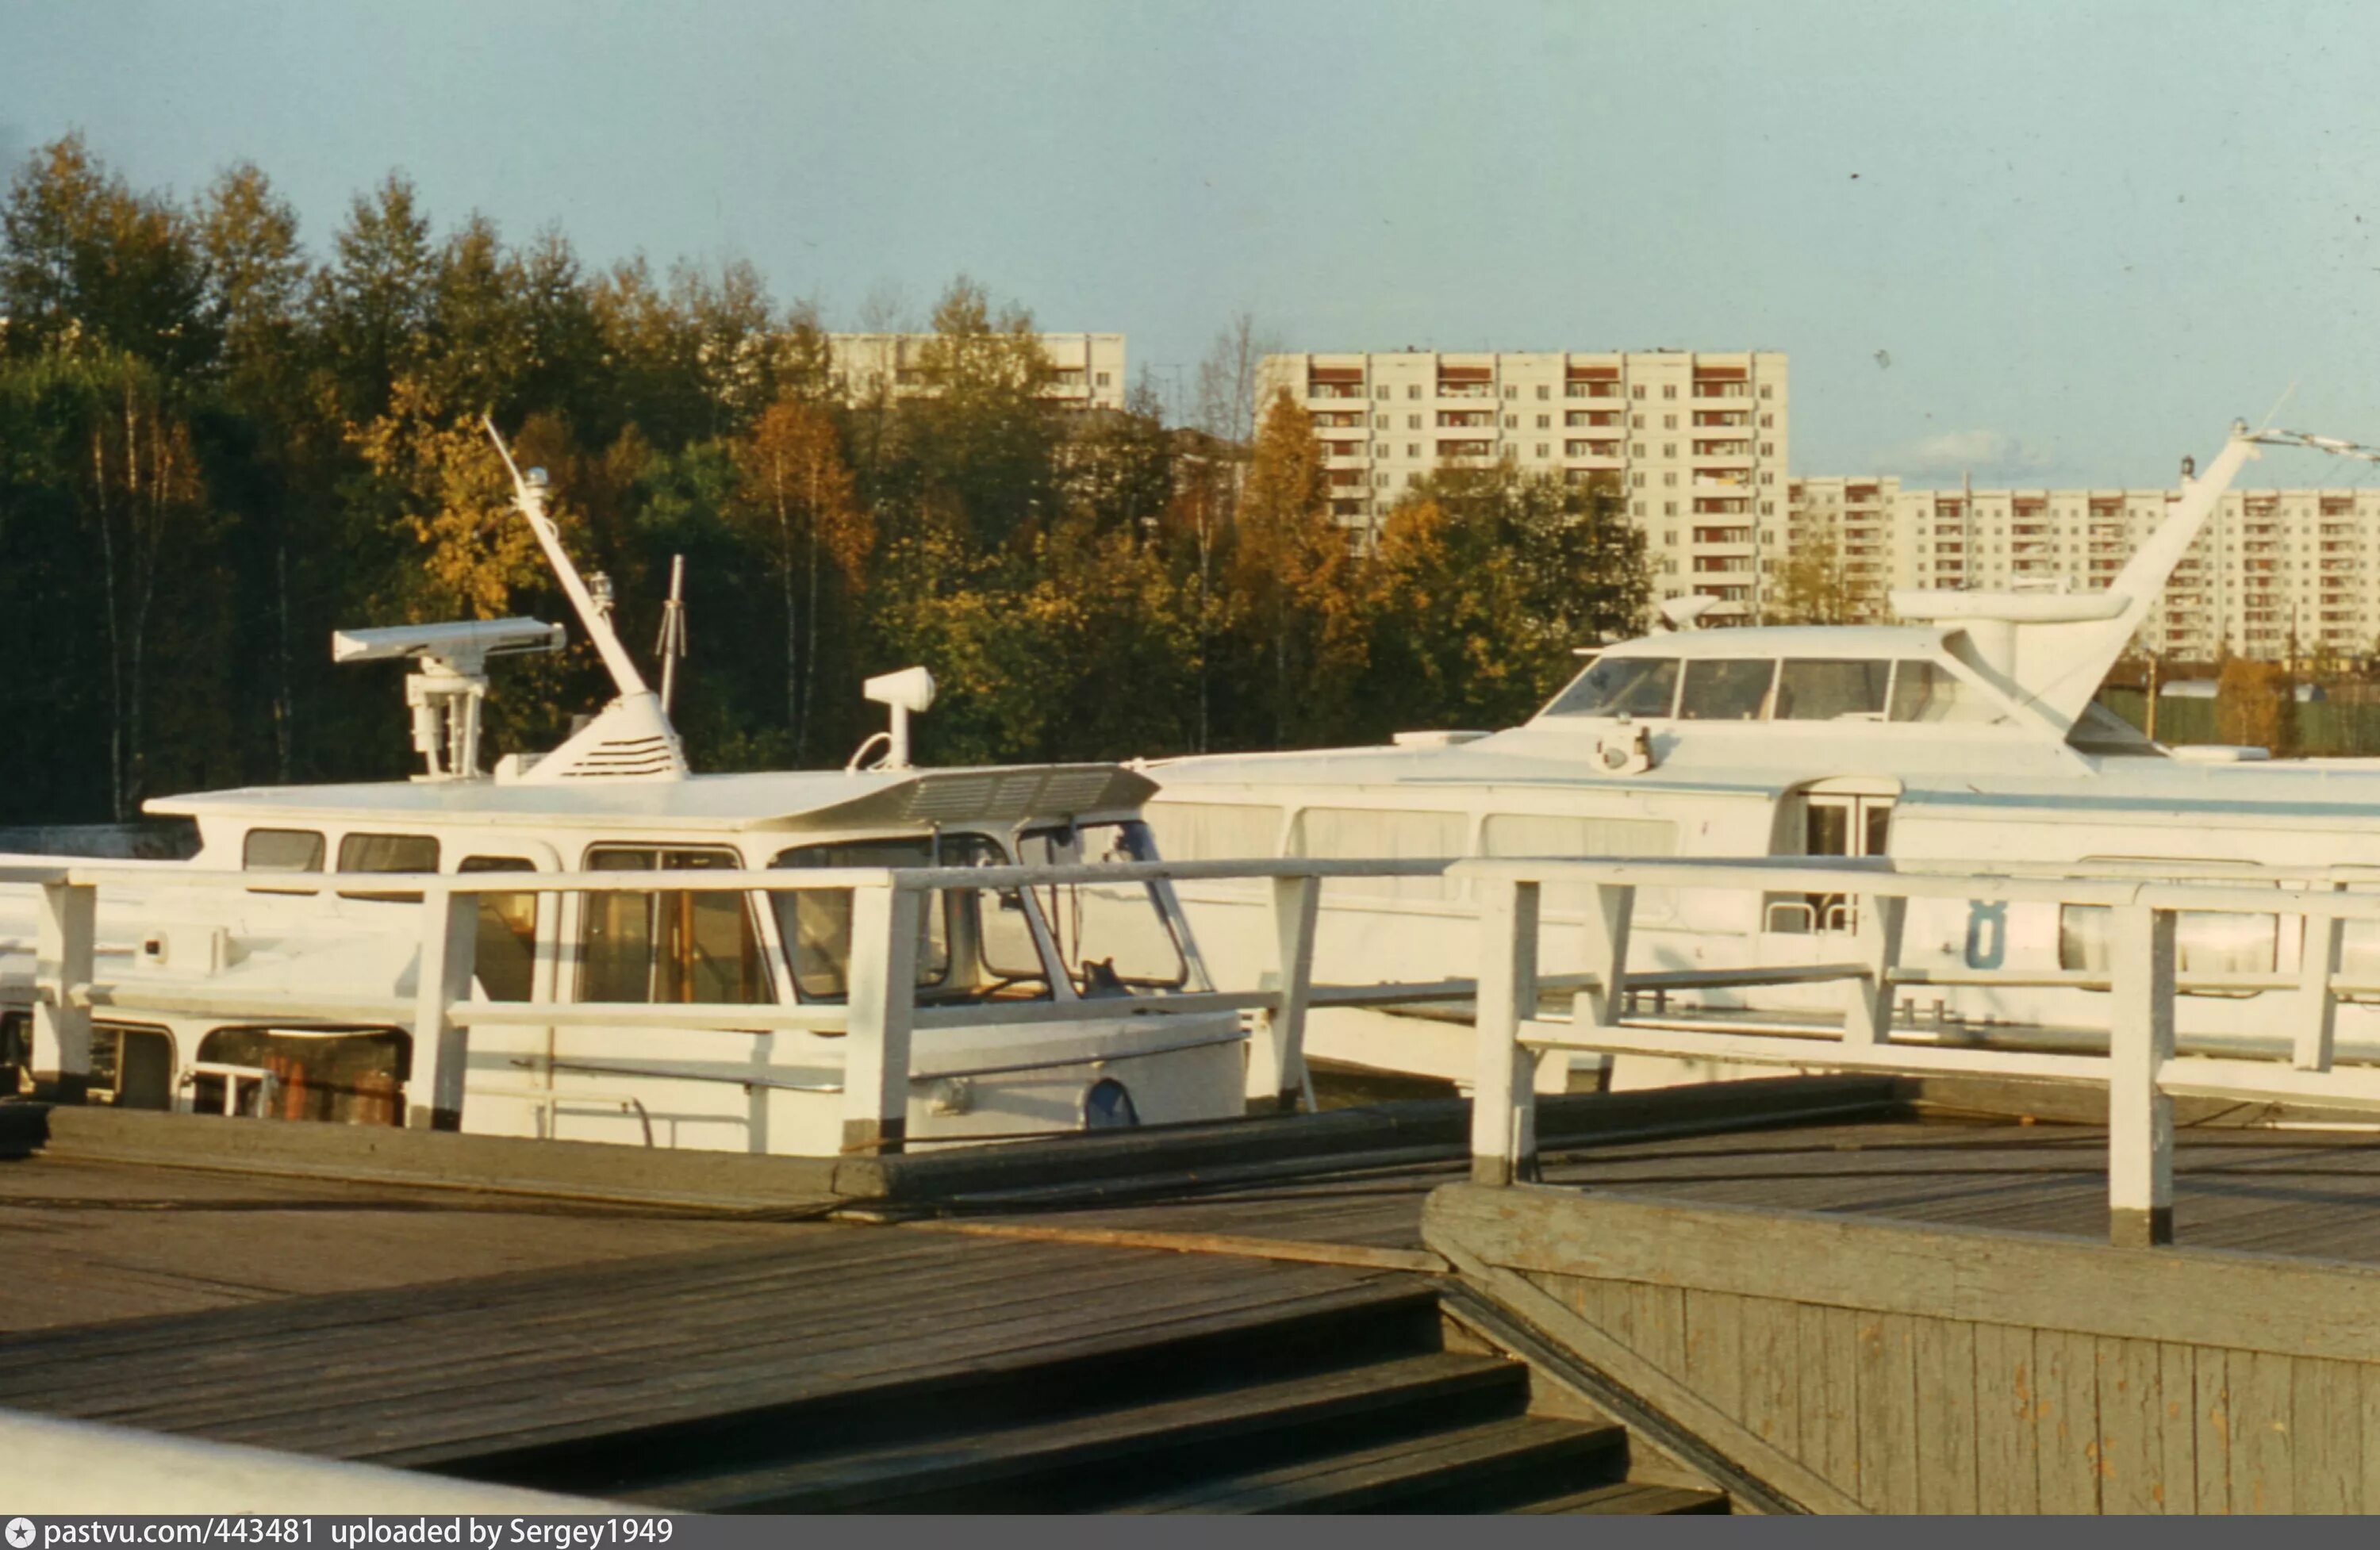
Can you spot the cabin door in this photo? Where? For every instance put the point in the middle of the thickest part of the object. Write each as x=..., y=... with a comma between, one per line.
x=1832, y=826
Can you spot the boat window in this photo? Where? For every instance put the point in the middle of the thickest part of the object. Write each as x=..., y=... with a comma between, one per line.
x=505, y=960
x=131, y=1067
x=1925, y=691
x=349, y=1077
x=1214, y=831
x=974, y=944
x=1725, y=690
x=1619, y=687
x=1546, y=834
x=388, y=853
x=681, y=946
x=1384, y=833
x=1825, y=691
x=281, y=850
x=2205, y=941
x=1111, y=937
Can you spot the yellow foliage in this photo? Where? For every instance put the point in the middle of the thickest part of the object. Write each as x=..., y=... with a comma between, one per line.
x=457, y=506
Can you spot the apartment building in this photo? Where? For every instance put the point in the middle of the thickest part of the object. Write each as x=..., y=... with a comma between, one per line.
x=1087, y=368
x=1696, y=444
x=2270, y=566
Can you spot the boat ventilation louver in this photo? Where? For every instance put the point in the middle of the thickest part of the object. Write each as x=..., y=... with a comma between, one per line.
x=624, y=758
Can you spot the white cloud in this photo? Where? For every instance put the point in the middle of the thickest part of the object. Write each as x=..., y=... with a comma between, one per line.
x=1987, y=455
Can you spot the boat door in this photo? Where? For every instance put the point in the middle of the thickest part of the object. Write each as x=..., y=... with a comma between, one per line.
x=1828, y=819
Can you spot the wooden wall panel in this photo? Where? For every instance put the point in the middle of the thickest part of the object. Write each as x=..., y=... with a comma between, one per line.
x=1911, y=1412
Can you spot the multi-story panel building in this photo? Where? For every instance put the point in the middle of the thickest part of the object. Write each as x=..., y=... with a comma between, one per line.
x=2271, y=566
x=1087, y=369
x=1694, y=443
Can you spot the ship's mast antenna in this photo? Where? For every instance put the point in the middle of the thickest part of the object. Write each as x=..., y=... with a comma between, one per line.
x=672, y=643
x=529, y=491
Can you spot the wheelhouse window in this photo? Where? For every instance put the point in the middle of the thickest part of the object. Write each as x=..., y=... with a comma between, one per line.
x=973, y=944
x=506, y=959
x=1724, y=690
x=682, y=947
x=1621, y=687
x=281, y=850
x=388, y=853
x=1818, y=690
x=1922, y=691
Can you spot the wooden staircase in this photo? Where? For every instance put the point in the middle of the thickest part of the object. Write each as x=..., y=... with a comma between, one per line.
x=1358, y=1408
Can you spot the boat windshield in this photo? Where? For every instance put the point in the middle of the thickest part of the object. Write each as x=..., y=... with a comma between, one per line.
x=1113, y=937
x=1619, y=687
x=1754, y=689
x=977, y=944
x=973, y=944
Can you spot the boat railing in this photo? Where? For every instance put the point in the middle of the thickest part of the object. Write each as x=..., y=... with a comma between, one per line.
x=876, y=1021
x=2126, y=1042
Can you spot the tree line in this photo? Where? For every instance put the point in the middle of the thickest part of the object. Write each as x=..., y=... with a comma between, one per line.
x=216, y=447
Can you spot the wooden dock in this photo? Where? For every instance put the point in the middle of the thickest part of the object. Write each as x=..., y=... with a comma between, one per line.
x=1806, y=1294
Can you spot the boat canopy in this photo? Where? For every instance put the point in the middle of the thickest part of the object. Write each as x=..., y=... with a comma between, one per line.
x=807, y=800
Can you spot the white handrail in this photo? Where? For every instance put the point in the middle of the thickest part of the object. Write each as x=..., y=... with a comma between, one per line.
x=2139, y=1062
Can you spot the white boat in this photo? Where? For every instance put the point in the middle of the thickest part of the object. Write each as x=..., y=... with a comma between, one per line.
x=1966, y=735
x=278, y=973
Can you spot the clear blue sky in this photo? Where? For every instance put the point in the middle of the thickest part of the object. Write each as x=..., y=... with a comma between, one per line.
x=2083, y=236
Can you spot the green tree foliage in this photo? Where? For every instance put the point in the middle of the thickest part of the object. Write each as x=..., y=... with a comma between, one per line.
x=1495, y=578
x=216, y=447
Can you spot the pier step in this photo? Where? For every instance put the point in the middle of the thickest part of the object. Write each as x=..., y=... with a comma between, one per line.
x=1148, y=1442
x=1634, y=1500
x=1355, y=1406
x=1489, y=1467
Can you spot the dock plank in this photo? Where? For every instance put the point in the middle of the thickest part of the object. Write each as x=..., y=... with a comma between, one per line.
x=2008, y=1408
x=2068, y=1458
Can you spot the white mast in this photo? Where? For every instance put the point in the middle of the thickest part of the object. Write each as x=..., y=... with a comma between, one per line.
x=632, y=738
x=2054, y=648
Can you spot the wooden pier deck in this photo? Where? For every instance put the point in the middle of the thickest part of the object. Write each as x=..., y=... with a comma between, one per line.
x=1284, y=1319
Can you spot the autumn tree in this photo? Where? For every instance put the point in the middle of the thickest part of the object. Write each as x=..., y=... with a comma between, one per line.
x=1490, y=580
x=1816, y=586
x=795, y=490
x=1296, y=587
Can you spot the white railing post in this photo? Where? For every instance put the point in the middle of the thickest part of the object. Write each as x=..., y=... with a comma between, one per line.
x=1867, y=1020
x=885, y=922
x=1277, y=1050
x=442, y=1047
x=68, y=924
x=1504, y=1103
x=2140, y=1044
x=2316, y=1012
x=1611, y=915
